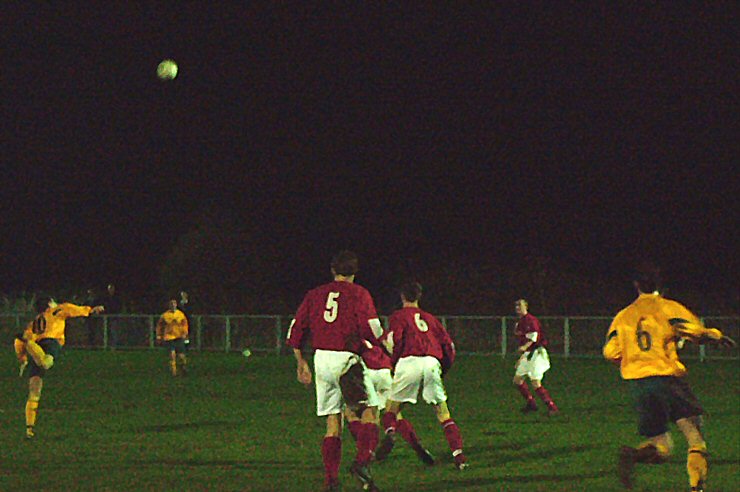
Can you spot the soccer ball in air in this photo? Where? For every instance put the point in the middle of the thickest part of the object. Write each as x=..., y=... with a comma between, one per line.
x=167, y=69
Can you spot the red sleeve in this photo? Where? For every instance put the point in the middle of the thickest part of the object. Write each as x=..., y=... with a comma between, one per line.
x=396, y=327
x=299, y=326
x=448, y=348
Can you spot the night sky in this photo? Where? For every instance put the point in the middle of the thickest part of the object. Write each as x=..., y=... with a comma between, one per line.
x=591, y=135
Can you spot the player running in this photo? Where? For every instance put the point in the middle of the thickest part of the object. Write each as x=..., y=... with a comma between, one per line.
x=379, y=366
x=337, y=317
x=422, y=352
x=642, y=340
x=534, y=360
x=43, y=340
x=172, y=331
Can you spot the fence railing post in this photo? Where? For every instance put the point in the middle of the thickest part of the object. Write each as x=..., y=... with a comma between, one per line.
x=566, y=337
x=105, y=332
x=278, y=335
x=151, y=331
x=227, y=342
x=503, y=336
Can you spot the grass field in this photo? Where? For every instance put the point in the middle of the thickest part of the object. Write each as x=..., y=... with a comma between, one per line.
x=118, y=421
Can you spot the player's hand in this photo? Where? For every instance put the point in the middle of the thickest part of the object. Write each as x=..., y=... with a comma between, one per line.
x=303, y=373
x=97, y=309
x=726, y=342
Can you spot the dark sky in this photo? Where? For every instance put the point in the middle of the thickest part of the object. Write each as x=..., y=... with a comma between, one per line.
x=590, y=135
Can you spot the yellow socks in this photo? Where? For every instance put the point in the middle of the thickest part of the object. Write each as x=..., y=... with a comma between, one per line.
x=173, y=367
x=32, y=408
x=697, y=466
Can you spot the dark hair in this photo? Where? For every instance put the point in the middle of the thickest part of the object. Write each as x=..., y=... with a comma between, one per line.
x=42, y=303
x=411, y=291
x=345, y=263
x=647, y=277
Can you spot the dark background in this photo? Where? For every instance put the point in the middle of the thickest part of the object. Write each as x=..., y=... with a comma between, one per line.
x=493, y=152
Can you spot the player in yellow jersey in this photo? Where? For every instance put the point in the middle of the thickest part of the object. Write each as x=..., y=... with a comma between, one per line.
x=642, y=341
x=43, y=340
x=172, y=331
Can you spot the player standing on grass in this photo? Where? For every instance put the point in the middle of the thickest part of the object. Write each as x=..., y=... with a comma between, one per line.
x=43, y=340
x=422, y=352
x=337, y=317
x=172, y=331
x=533, y=361
x=642, y=340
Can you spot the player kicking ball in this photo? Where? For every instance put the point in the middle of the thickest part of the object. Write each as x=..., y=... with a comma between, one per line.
x=422, y=351
x=40, y=344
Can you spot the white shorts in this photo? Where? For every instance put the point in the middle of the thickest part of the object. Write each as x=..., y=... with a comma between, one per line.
x=534, y=367
x=381, y=383
x=330, y=365
x=414, y=373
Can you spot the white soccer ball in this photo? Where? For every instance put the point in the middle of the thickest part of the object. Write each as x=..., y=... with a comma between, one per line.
x=167, y=69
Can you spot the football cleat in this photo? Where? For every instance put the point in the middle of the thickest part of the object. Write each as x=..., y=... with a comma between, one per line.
x=30, y=434
x=461, y=462
x=362, y=473
x=699, y=487
x=529, y=407
x=626, y=465
x=385, y=447
x=552, y=412
x=332, y=486
x=424, y=455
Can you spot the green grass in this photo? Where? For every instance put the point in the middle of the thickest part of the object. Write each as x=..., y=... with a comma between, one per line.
x=118, y=421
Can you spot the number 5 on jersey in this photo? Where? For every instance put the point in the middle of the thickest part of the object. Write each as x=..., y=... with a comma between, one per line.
x=332, y=307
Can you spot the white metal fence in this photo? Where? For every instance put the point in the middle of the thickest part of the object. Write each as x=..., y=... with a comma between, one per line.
x=569, y=336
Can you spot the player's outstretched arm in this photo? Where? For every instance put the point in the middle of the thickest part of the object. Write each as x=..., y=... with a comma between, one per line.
x=697, y=333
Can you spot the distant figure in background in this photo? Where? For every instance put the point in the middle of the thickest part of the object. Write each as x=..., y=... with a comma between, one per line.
x=172, y=331
x=112, y=307
x=642, y=341
x=91, y=323
x=42, y=340
x=336, y=318
x=184, y=305
x=423, y=352
x=534, y=360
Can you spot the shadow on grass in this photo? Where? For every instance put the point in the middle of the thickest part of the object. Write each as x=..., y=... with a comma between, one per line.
x=236, y=464
x=461, y=484
x=188, y=426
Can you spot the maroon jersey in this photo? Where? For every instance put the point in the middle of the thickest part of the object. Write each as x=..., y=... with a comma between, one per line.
x=375, y=357
x=336, y=317
x=529, y=324
x=416, y=332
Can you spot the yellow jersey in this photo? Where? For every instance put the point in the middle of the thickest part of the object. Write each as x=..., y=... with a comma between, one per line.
x=642, y=337
x=172, y=325
x=52, y=322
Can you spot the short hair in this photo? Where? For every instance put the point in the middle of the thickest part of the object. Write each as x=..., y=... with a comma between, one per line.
x=523, y=301
x=411, y=291
x=647, y=277
x=345, y=263
x=42, y=303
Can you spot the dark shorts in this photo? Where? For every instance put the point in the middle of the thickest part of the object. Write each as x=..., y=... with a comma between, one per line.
x=177, y=345
x=49, y=345
x=352, y=384
x=663, y=399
